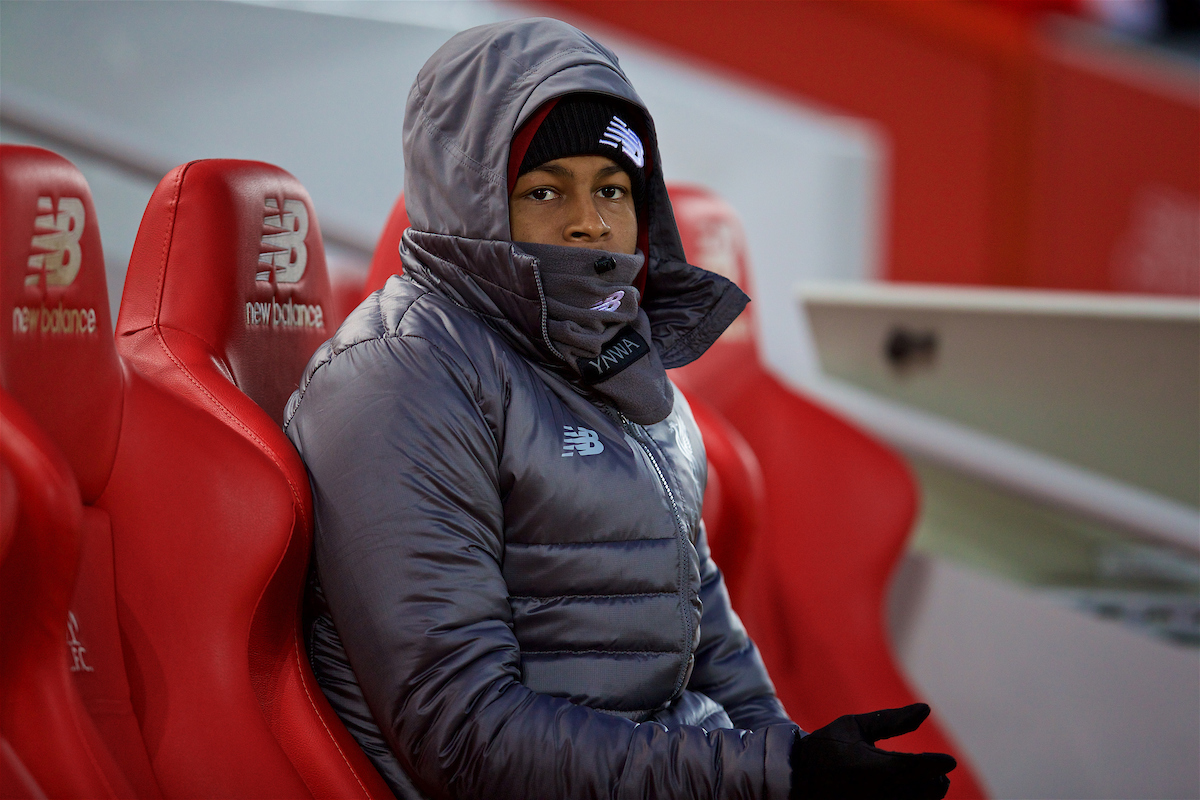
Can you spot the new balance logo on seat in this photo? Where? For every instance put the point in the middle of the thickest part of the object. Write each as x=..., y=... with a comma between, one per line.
x=622, y=137
x=60, y=256
x=283, y=254
x=583, y=441
x=289, y=315
x=57, y=257
x=283, y=251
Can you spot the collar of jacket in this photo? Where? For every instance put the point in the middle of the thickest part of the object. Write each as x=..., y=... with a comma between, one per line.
x=688, y=307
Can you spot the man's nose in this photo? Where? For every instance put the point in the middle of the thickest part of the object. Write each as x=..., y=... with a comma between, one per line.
x=585, y=223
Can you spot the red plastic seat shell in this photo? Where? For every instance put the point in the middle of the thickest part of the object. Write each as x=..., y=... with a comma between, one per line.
x=42, y=716
x=58, y=360
x=212, y=545
x=839, y=508
x=734, y=499
x=385, y=261
x=79, y=407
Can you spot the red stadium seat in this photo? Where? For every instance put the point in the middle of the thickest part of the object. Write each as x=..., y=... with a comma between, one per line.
x=734, y=499
x=197, y=514
x=225, y=300
x=8, y=508
x=58, y=362
x=385, y=262
x=838, y=514
x=50, y=744
x=15, y=779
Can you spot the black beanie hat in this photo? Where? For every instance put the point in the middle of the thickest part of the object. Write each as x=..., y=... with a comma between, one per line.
x=590, y=125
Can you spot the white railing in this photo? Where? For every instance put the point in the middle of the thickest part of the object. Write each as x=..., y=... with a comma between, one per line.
x=1015, y=467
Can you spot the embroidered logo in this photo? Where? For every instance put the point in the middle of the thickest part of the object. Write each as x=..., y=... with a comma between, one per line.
x=57, y=258
x=61, y=256
x=682, y=439
x=621, y=351
x=283, y=251
x=583, y=441
x=622, y=137
x=610, y=303
x=284, y=254
x=288, y=315
x=78, y=651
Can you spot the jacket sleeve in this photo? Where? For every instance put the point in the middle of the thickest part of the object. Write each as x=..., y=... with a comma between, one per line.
x=402, y=440
x=728, y=667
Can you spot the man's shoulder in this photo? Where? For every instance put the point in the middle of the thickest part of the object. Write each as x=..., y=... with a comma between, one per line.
x=393, y=326
x=400, y=308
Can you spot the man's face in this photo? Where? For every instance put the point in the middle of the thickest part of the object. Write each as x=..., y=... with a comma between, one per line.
x=578, y=201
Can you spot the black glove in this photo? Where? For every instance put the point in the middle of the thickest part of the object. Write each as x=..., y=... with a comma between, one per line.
x=841, y=761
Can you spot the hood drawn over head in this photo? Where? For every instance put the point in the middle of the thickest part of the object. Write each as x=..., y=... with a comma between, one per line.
x=468, y=102
x=465, y=106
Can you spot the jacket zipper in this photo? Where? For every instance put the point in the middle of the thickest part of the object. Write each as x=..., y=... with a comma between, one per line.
x=680, y=535
x=544, y=312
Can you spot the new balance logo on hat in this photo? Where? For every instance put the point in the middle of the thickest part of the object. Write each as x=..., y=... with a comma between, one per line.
x=583, y=441
x=622, y=137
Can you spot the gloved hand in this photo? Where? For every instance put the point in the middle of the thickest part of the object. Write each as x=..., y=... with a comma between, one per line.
x=841, y=761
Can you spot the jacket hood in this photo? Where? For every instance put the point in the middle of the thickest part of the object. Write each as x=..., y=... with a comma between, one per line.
x=467, y=103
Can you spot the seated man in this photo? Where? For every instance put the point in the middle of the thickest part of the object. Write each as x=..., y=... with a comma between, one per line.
x=513, y=596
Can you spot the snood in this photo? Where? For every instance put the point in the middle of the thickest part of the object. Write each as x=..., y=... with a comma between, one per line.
x=595, y=323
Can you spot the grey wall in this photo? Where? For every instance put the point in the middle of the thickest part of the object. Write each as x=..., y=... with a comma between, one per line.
x=319, y=89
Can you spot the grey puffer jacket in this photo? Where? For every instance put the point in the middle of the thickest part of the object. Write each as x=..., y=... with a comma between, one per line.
x=513, y=597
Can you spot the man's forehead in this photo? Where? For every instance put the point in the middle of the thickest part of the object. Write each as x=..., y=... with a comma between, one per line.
x=580, y=166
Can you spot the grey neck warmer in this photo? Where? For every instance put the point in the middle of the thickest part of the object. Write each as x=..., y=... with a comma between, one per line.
x=595, y=322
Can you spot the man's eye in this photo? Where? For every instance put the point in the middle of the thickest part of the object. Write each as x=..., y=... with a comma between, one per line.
x=612, y=192
x=542, y=194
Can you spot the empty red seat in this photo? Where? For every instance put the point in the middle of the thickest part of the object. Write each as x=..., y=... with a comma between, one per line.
x=734, y=498
x=15, y=778
x=196, y=510
x=385, y=261
x=225, y=299
x=58, y=362
x=50, y=742
x=839, y=510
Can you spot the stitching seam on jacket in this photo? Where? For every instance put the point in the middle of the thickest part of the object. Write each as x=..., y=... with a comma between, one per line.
x=307, y=377
x=448, y=144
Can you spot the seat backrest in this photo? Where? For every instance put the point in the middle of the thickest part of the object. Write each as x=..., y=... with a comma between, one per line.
x=8, y=508
x=50, y=741
x=15, y=778
x=839, y=511
x=58, y=360
x=56, y=352
x=385, y=262
x=714, y=240
x=734, y=498
x=239, y=274
x=225, y=299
